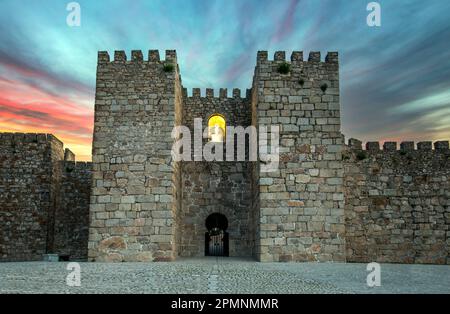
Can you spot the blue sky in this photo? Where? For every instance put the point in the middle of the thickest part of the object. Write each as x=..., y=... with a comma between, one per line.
x=395, y=79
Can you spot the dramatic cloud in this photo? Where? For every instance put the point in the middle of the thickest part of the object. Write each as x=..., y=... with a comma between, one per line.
x=394, y=79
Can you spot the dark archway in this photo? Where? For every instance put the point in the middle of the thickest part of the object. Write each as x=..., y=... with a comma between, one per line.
x=216, y=220
x=216, y=238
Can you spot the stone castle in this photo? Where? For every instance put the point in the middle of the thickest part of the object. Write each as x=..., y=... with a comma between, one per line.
x=326, y=201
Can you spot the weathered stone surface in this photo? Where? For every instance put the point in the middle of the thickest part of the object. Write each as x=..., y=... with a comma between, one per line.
x=112, y=244
x=44, y=197
x=215, y=188
x=397, y=204
x=72, y=210
x=137, y=105
x=110, y=258
x=306, y=184
x=323, y=202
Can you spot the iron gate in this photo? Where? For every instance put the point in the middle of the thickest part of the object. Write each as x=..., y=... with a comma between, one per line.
x=216, y=244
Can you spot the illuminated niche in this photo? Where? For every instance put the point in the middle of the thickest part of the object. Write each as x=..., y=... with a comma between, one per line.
x=217, y=127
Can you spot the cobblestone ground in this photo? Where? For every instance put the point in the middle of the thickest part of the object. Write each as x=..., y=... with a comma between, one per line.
x=212, y=275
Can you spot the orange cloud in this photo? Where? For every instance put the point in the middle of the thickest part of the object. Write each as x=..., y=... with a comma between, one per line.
x=25, y=108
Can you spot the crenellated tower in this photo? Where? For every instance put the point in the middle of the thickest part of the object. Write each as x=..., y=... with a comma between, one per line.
x=132, y=211
x=301, y=204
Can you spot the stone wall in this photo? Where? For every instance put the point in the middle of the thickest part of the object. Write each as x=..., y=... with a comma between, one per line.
x=55, y=158
x=72, y=210
x=302, y=202
x=255, y=175
x=133, y=211
x=136, y=203
x=35, y=198
x=235, y=109
x=177, y=169
x=216, y=187
x=397, y=202
x=26, y=197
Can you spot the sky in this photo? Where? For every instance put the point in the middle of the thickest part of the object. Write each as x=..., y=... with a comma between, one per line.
x=395, y=79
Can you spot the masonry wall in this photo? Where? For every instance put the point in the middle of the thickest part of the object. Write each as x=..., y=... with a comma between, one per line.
x=55, y=158
x=72, y=210
x=302, y=202
x=255, y=175
x=44, y=200
x=135, y=203
x=216, y=187
x=235, y=107
x=133, y=210
x=177, y=171
x=25, y=195
x=397, y=202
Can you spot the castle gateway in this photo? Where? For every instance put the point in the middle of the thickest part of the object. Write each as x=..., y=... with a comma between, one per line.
x=146, y=206
x=325, y=200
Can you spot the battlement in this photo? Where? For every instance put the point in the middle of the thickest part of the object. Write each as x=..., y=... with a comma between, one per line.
x=393, y=146
x=137, y=56
x=223, y=93
x=35, y=143
x=297, y=56
x=305, y=74
x=21, y=138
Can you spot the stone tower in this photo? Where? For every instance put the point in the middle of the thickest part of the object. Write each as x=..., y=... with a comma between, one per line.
x=146, y=207
x=301, y=205
x=133, y=201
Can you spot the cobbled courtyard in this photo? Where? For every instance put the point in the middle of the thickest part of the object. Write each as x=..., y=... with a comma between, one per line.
x=222, y=275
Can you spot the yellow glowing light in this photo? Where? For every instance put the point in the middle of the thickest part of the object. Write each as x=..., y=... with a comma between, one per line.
x=217, y=121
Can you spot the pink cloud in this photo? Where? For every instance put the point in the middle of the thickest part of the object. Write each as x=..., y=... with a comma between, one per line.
x=25, y=107
x=236, y=67
x=286, y=27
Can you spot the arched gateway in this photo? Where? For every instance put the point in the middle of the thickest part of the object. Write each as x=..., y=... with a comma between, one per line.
x=292, y=213
x=216, y=238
